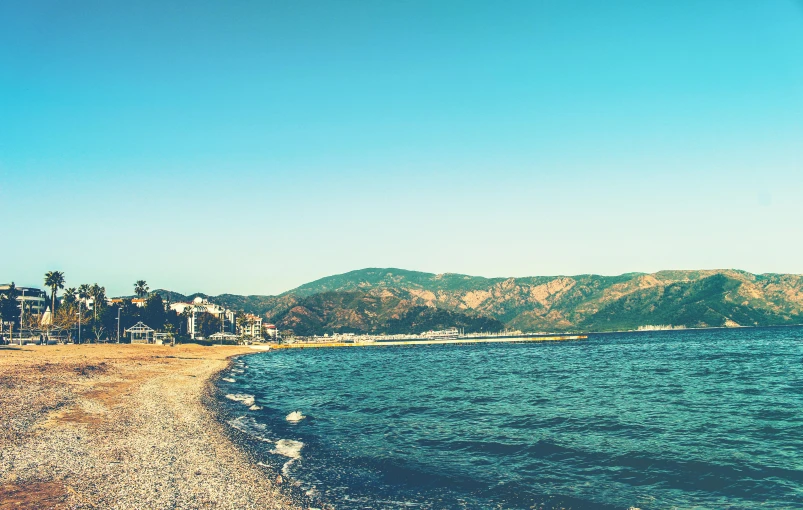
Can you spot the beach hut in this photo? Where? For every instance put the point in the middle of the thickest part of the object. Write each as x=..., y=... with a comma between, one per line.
x=140, y=333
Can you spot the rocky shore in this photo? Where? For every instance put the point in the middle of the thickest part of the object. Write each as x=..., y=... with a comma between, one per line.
x=120, y=426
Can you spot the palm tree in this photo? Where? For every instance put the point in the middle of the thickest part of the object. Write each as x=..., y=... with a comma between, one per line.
x=83, y=292
x=187, y=313
x=141, y=288
x=70, y=295
x=54, y=280
x=242, y=321
x=98, y=294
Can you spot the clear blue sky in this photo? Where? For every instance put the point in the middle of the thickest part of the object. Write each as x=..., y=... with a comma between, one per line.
x=249, y=147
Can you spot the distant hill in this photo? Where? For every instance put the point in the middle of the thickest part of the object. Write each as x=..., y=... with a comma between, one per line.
x=388, y=299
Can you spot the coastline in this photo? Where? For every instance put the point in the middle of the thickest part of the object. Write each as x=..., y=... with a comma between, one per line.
x=253, y=448
x=122, y=426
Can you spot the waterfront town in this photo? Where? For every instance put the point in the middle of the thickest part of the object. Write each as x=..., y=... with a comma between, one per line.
x=84, y=314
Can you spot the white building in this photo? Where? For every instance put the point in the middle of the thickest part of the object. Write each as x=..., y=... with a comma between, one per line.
x=253, y=327
x=200, y=305
x=271, y=331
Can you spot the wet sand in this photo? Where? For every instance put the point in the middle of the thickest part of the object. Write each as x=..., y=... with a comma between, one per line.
x=120, y=426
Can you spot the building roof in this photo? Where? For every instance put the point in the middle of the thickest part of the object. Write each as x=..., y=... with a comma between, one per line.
x=140, y=327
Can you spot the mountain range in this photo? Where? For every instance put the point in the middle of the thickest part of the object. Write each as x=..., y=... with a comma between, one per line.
x=392, y=300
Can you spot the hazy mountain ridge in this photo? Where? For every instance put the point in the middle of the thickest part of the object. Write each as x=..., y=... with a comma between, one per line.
x=377, y=299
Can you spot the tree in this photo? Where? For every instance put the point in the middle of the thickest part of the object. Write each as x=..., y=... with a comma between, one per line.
x=141, y=288
x=70, y=295
x=67, y=317
x=186, y=315
x=207, y=324
x=9, y=307
x=154, y=314
x=242, y=321
x=54, y=280
x=98, y=295
x=107, y=318
x=129, y=314
x=83, y=292
x=98, y=329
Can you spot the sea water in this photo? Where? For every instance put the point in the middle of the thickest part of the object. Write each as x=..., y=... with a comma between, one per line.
x=686, y=419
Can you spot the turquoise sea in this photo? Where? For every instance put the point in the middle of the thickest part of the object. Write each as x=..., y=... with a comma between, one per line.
x=683, y=419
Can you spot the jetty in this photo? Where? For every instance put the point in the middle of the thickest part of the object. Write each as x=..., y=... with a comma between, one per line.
x=434, y=341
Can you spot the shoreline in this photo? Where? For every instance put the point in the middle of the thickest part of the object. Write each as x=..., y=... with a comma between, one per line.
x=214, y=398
x=100, y=426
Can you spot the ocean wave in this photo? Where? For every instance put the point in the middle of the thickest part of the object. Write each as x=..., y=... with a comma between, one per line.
x=228, y=379
x=244, y=398
x=251, y=427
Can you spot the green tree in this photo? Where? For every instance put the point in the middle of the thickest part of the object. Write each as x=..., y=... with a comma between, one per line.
x=98, y=295
x=208, y=324
x=154, y=314
x=129, y=315
x=141, y=288
x=83, y=292
x=70, y=296
x=54, y=280
x=9, y=306
x=186, y=315
x=242, y=321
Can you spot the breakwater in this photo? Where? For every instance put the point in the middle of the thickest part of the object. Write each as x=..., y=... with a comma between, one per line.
x=434, y=341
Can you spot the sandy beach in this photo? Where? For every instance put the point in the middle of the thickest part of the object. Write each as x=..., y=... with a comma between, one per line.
x=120, y=426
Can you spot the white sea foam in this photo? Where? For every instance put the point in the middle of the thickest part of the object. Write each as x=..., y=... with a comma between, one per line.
x=288, y=448
x=255, y=407
x=295, y=417
x=227, y=379
x=247, y=400
x=250, y=426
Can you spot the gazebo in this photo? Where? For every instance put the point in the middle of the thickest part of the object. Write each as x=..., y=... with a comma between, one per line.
x=140, y=333
x=224, y=337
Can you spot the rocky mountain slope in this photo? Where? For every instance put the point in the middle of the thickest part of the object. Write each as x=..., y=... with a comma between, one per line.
x=382, y=299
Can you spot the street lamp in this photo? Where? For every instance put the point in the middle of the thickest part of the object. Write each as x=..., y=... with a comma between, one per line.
x=22, y=314
x=79, y=322
x=118, y=324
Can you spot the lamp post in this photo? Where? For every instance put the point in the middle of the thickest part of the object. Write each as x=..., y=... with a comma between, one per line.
x=118, y=324
x=79, y=322
x=22, y=314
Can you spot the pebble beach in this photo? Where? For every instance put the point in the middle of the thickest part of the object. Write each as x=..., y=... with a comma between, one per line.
x=121, y=426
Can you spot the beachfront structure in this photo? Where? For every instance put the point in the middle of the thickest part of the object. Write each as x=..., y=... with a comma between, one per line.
x=35, y=300
x=271, y=331
x=253, y=327
x=444, y=333
x=200, y=305
x=224, y=338
x=140, y=333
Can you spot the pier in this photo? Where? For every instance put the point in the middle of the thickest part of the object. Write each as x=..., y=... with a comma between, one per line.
x=438, y=341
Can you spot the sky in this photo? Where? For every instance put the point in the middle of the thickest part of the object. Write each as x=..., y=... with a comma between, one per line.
x=249, y=147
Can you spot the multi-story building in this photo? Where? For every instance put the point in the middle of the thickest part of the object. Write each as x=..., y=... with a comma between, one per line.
x=35, y=300
x=271, y=331
x=200, y=305
x=253, y=327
